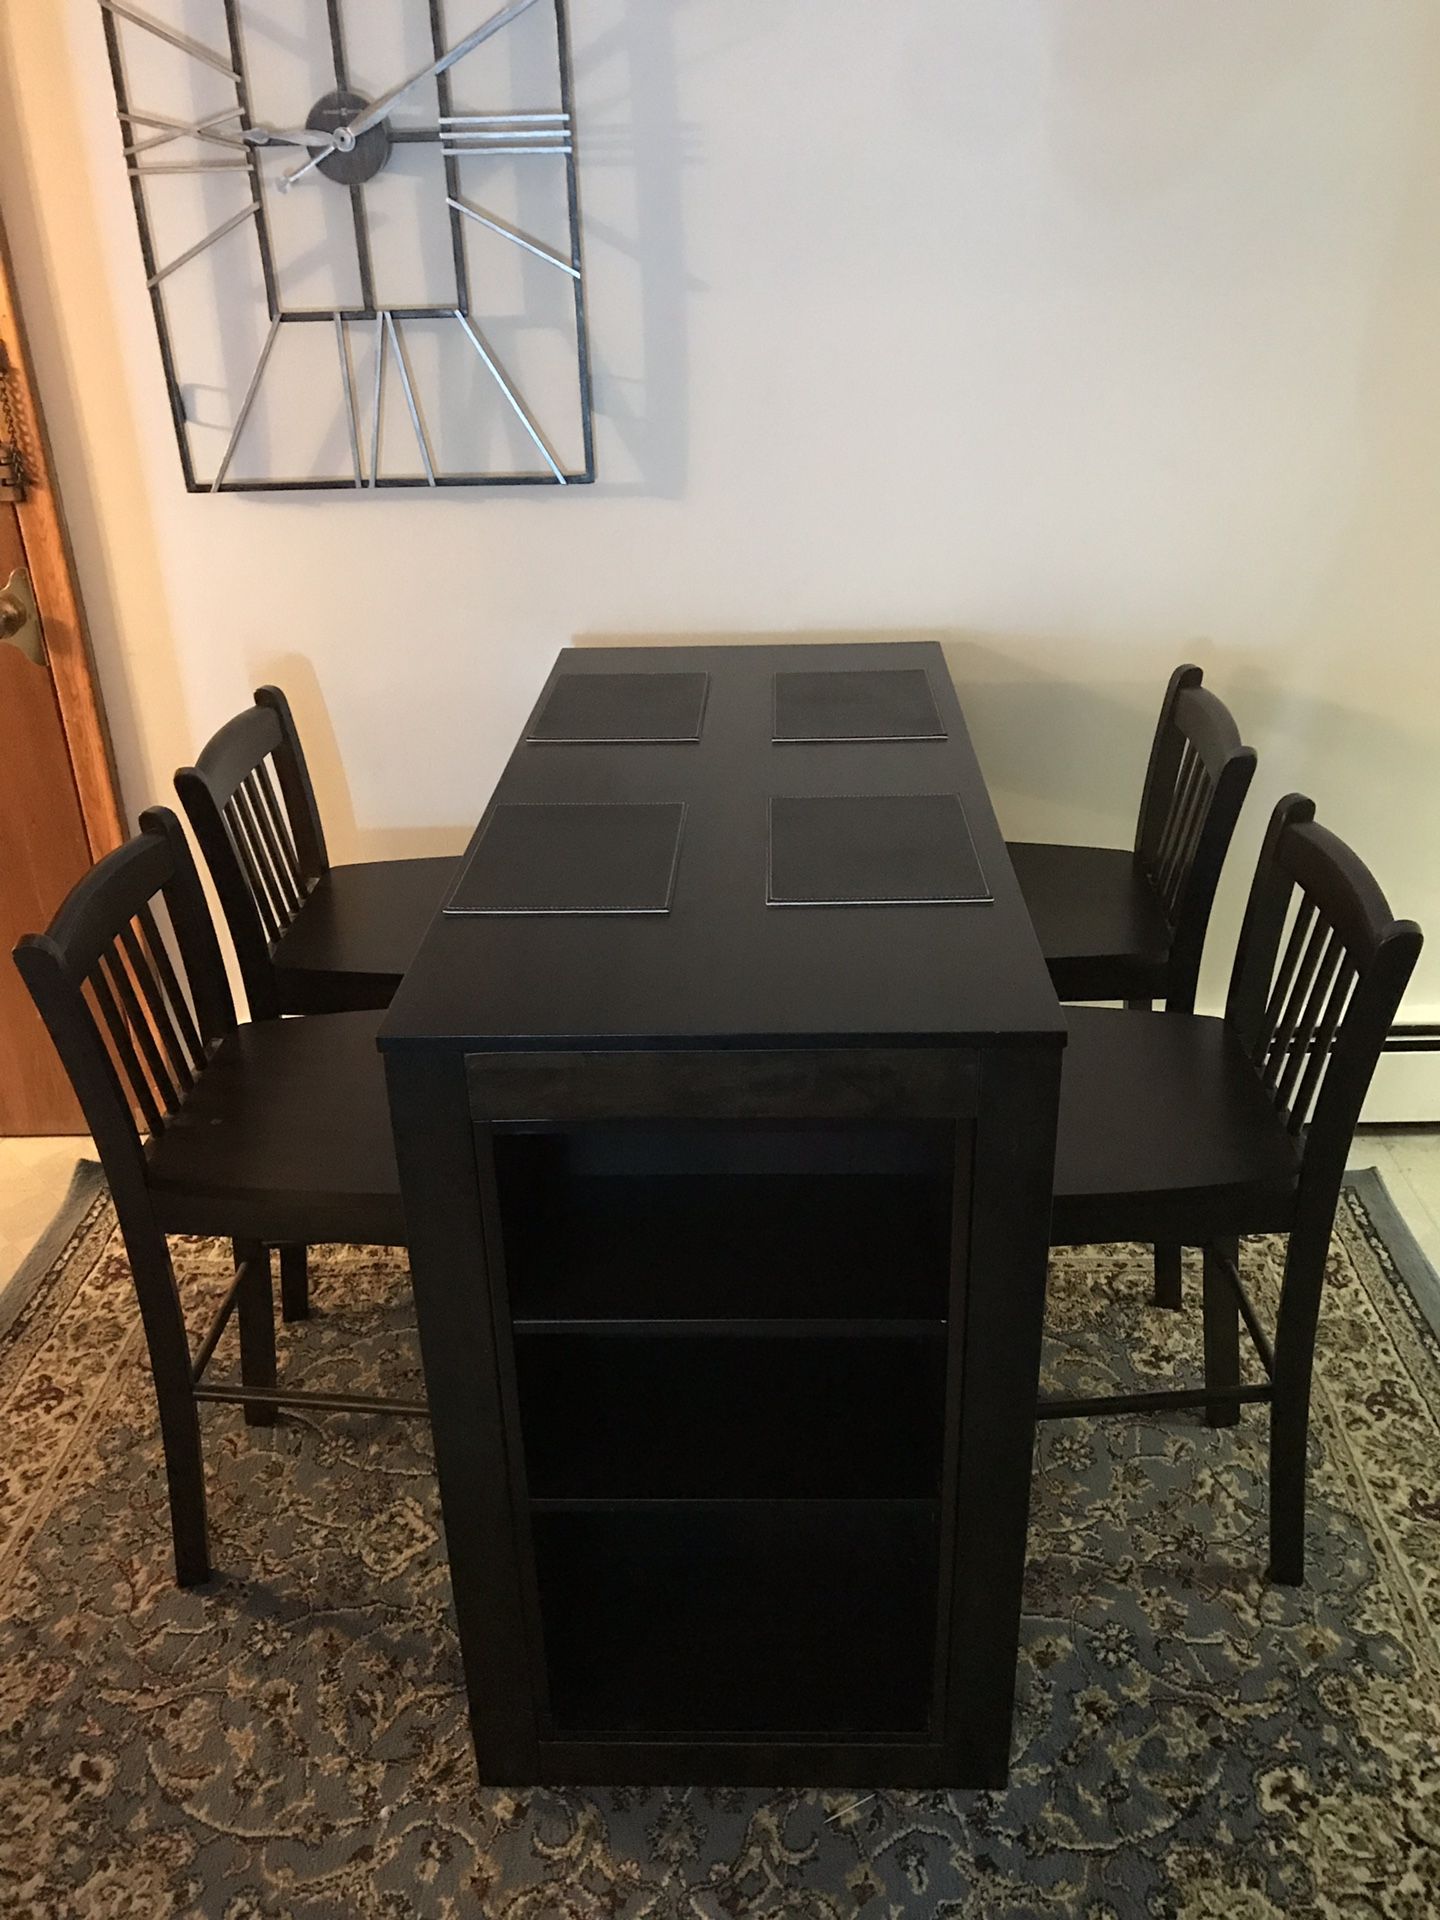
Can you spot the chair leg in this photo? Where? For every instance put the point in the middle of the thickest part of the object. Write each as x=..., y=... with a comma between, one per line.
x=1222, y=1334
x=169, y=1350
x=1167, y=1258
x=294, y=1283
x=256, y=1312
x=1290, y=1407
x=185, y=1480
x=1289, y=1425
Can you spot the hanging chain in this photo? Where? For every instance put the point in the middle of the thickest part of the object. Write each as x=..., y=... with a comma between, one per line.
x=12, y=456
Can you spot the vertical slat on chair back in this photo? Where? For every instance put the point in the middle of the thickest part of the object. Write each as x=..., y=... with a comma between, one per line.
x=131, y=985
x=1195, y=785
x=252, y=808
x=1319, y=973
x=1163, y=771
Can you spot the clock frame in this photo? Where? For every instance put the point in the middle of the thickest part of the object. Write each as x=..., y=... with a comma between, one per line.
x=375, y=387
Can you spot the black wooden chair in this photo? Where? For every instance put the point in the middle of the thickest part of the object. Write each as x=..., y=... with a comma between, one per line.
x=1178, y=1128
x=1130, y=925
x=309, y=937
x=274, y=1134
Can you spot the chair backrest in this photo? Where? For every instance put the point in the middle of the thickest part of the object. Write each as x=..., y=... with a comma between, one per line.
x=1195, y=785
x=130, y=982
x=1320, y=970
x=252, y=808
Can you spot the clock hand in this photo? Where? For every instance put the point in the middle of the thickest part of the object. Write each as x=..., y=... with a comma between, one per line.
x=287, y=180
x=345, y=137
x=286, y=137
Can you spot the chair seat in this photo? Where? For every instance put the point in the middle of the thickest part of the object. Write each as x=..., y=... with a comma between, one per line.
x=1099, y=923
x=1165, y=1134
x=253, y=1155
x=358, y=931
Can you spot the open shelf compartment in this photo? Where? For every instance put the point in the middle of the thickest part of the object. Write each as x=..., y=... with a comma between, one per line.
x=704, y=1619
x=719, y=1415
x=702, y=1223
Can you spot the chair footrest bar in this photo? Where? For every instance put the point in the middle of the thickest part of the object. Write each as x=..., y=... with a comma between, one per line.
x=1259, y=1338
x=1158, y=1401
x=315, y=1402
x=213, y=1332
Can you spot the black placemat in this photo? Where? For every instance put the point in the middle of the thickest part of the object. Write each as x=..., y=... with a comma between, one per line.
x=620, y=709
x=866, y=703
x=887, y=850
x=573, y=857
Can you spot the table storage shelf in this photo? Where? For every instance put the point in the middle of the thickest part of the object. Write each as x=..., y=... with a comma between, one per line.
x=729, y=1365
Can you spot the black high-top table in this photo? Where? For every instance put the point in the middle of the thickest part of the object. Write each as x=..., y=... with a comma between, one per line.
x=726, y=1122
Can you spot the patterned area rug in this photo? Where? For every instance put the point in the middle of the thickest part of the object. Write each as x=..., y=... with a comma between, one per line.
x=291, y=1742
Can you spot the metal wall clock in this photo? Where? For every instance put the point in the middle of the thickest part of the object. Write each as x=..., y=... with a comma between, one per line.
x=361, y=232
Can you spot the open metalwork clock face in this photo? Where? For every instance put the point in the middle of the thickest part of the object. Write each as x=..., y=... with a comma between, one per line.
x=361, y=232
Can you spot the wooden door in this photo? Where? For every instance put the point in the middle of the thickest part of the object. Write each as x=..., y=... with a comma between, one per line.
x=58, y=809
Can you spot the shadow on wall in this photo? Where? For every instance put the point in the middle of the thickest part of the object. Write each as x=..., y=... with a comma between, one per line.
x=629, y=129
x=1064, y=759
x=347, y=838
x=1323, y=746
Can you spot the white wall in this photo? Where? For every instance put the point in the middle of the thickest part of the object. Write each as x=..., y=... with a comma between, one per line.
x=1086, y=334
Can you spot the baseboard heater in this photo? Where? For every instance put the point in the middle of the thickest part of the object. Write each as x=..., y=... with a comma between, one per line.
x=1415, y=1038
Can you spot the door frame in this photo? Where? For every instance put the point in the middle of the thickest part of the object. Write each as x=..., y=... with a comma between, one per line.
x=51, y=566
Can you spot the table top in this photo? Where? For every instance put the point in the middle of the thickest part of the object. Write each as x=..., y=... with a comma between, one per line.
x=717, y=964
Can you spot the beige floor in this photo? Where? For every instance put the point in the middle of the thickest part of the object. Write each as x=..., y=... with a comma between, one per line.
x=34, y=1176
x=1408, y=1160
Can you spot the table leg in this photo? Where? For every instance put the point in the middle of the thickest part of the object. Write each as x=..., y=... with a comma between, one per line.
x=439, y=1183
x=1000, y=1371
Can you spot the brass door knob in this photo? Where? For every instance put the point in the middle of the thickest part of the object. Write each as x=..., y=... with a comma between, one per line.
x=20, y=617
